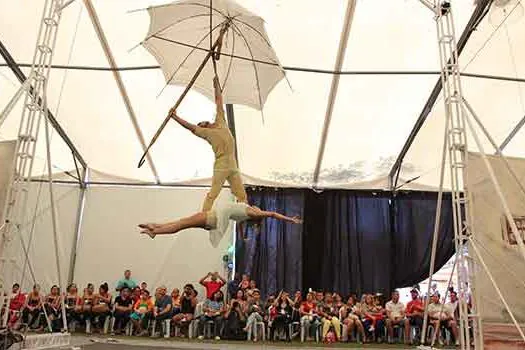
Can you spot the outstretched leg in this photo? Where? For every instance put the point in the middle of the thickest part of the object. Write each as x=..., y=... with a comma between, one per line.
x=219, y=177
x=195, y=221
x=237, y=187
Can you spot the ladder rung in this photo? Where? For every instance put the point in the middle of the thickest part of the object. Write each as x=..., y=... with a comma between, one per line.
x=446, y=39
x=458, y=165
x=39, y=76
x=32, y=106
x=24, y=137
x=50, y=21
x=457, y=131
x=24, y=155
x=457, y=147
x=44, y=49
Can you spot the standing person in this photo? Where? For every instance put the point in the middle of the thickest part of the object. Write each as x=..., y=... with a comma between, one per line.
x=220, y=138
x=213, y=282
x=126, y=282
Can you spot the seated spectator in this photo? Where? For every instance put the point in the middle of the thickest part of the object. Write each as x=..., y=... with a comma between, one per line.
x=338, y=301
x=245, y=282
x=213, y=310
x=269, y=302
x=329, y=316
x=310, y=320
x=233, y=285
x=32, y=307
x=252, y=286
x=235, y=318
x=256, y=313
x=395, y=312
x=52, y=305
x=123, y=309
x=135, y=294
x=126, y=282
x=16, y=304
x=213, y=282
x=101, y=306
x=281, y=315
x=175, y=300
x=373, y=318
x=163, y=308
x=144, y=286
x=414, y=313
x=142, y=308
x=188, y=302
x=73, y=304
x=319, y=298
x=440, y=315
x=87, y=304
x=350, y=314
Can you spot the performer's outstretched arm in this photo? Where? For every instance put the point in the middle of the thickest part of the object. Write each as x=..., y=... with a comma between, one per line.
x=256, y=213
x=182, y=122
x=219, y=103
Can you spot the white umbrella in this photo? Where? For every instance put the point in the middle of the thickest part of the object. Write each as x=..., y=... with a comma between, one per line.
x=179, y=38
x=182, y=36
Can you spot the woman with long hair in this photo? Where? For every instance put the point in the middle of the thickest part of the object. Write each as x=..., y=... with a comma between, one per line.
x=101, y=306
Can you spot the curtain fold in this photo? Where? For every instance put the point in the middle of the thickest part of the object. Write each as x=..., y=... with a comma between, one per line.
x=273, y=256
x=350, y=241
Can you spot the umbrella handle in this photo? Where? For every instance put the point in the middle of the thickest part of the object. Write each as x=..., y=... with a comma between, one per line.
x=188, y=87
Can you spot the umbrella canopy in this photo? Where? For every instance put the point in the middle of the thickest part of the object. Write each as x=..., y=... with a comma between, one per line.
x=179, y=38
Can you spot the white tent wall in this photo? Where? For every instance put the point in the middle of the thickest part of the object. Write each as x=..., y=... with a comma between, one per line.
x=504, y=261
x=110, y=241
x=37, y=233
x=7, y=150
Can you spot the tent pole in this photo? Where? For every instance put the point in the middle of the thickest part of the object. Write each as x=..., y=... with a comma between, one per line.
x=477, y=15
x=78, y=227
x=343, y=41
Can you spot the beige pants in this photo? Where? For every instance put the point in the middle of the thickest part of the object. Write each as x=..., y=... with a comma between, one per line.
x=220, y=176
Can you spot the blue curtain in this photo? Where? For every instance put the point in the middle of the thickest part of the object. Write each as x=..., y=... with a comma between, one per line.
x=273, y=257
x=350, y=241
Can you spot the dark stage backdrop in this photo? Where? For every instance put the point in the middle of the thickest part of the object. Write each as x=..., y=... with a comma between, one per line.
x=350, y=241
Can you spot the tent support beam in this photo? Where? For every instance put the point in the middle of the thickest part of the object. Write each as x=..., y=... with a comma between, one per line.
x=475, y=18
x=230, y=115
x=118, y=79
x=4, y=52
x=343, y=41
x=78, y=227
x=513, y=133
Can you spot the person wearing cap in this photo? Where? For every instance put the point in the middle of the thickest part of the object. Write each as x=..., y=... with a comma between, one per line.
x=414, y=313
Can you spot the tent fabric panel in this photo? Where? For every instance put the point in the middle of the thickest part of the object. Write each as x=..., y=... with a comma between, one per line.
x=174, y=260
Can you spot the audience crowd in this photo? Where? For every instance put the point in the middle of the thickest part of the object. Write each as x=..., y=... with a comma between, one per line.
x=241, y=315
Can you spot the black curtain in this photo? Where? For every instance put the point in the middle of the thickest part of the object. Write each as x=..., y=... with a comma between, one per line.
x=273, y=257
x=347, y=242
x=350, y=241
x=414, y=216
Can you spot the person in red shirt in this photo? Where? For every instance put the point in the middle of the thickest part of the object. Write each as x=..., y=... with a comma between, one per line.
x=16, y=302
x=213, y=282
x=414, y=313
x=309, y=318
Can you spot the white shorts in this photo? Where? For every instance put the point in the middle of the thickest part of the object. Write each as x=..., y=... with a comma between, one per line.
x=218, y=221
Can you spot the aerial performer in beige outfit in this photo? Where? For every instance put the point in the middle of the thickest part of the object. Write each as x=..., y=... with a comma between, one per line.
x=218, y=135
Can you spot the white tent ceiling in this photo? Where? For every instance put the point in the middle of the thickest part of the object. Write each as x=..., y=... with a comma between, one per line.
x=373, y=114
